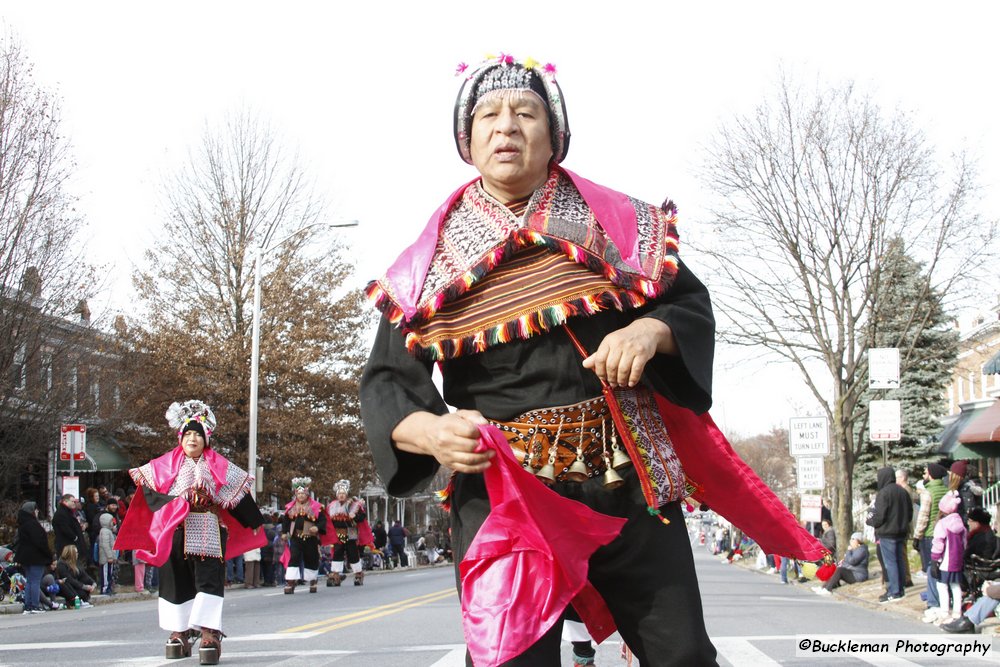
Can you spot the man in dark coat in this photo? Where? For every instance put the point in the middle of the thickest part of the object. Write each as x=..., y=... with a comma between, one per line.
x=65, y=526
x=891, y=521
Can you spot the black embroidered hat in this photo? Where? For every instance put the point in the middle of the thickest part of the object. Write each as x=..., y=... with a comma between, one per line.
x=503, y=72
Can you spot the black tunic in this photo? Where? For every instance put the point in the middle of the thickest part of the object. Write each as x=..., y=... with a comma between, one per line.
x=522, y=375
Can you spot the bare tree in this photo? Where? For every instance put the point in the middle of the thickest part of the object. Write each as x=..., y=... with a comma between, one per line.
x=43, y=275
x=239, y=191
x=813, y=187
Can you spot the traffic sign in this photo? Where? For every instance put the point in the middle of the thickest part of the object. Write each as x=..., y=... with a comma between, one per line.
x=883, y=368
x=73, y=442
x=809, y=473
x=811, y=507
x=808, y=436
x=884, y=420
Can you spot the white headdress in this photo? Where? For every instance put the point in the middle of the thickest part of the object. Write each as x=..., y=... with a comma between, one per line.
x=301, y=483
x=179, y=414
x=343, y=485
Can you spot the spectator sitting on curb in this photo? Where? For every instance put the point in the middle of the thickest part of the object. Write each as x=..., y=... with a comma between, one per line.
x=74, y=578
x=852, y=569
x=50, y=588
x=977, y=613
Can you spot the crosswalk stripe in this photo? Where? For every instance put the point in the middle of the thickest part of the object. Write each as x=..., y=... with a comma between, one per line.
x=454, y=658
x=739, y=651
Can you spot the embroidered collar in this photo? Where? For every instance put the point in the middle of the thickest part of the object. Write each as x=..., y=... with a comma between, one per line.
x=629, y=241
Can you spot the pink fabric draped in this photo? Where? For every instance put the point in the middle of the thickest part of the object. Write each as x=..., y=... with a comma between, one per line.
x=528, y=561
x=730, y=487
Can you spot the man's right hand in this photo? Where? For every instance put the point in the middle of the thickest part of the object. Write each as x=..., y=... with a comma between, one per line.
x=452, y=439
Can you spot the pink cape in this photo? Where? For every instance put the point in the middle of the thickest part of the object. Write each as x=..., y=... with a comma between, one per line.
x=528, y=561
x=150, y=534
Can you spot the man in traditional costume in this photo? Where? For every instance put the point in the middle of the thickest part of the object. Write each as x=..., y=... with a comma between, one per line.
x=352, y=532
x=303, y=527
x=566, y=328
x=194, y=511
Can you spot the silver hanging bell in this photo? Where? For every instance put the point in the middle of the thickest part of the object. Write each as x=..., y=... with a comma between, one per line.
x=547, y=473
x=612, y=480
x=577, y=472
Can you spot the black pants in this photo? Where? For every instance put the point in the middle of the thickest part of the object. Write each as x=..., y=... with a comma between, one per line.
x=841, y=574
x=399, y=553
x=351, y=547
x=646, y=576
x=304, y=550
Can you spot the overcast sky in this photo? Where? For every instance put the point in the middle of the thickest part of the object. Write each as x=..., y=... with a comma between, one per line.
x=364, y=93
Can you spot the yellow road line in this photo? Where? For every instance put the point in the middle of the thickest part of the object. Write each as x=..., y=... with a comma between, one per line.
x=374, y=612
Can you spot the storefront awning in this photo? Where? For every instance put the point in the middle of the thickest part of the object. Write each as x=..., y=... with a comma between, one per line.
x=984, y=428
x=992, y=367
x=103, y=454
x=949, y=436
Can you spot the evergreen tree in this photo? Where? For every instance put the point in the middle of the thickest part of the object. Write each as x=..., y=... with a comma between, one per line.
x=926, y=362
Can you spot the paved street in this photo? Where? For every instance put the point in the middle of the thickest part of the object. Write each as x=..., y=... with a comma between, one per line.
x=411, y=618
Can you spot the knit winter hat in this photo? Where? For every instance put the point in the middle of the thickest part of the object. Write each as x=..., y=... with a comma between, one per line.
x=503, y=73
x=860, y=537
x=949, y=502
x=936, y=471
x=960, y=468
x=980, y=515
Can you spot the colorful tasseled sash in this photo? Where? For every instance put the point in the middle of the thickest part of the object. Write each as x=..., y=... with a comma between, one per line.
x=531, y=292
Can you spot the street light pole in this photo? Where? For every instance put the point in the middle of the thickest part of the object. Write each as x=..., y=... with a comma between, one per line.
x=254, y=370
x=255, y=343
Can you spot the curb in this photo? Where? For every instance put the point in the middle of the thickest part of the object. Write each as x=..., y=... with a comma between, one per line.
x=12, y=608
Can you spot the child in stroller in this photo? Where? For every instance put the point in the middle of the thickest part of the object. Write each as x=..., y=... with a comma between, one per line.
x=11, y=580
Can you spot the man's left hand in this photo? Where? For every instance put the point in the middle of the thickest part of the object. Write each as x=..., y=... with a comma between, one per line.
x=622, y=355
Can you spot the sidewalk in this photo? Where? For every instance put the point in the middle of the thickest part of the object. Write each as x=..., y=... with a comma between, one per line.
x=128, y=594
x=867, y=593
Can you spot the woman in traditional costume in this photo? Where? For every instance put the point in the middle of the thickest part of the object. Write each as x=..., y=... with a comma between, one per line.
x=302, y=526
x=351, y=530
x=195, y=510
